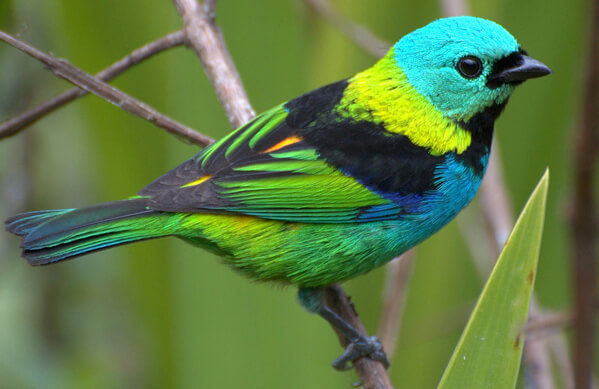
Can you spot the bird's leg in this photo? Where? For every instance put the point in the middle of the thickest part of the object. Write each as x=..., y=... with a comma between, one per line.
x=359, y=345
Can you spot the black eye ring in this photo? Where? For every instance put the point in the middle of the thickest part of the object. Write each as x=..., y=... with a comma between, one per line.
x=469, y=66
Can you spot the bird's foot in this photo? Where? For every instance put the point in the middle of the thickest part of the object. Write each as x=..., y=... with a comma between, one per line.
x=360, y=345
x=364, y=346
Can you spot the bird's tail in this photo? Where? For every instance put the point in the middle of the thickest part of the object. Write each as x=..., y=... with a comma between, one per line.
x=51, y=236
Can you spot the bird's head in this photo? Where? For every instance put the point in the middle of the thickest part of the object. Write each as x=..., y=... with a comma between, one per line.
x=463, y=65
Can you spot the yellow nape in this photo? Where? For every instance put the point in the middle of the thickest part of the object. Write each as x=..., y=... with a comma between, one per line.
x=384, y=95
x=285, y=142
x=197, y=182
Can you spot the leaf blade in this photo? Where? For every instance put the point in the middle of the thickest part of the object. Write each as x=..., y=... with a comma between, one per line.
x=489, y=352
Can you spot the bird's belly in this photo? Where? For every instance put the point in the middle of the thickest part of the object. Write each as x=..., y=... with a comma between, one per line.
x=307, y=254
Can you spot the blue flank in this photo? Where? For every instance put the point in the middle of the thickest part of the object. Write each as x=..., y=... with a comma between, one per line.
x=456, y=186
x=419, y=216
x=380, y=212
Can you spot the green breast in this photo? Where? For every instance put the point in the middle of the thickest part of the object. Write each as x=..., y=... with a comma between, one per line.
x=304, y=254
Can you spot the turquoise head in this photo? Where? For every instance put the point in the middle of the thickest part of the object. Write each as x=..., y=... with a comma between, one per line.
x=463, y=65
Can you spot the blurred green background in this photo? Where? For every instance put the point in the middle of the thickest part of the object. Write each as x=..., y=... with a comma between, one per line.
x=164, y=314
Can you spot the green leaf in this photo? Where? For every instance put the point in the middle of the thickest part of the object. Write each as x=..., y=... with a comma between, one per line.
x=489, y=352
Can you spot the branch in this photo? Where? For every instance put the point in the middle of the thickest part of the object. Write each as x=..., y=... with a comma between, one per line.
x=495, y=204
x=561, y=357
x=399, y=272
x=584, y=213
x=206, y=39
x=372, y=373
x=66, y=71
x=22, y=121
x=454, y=8
x=361, y=36
x=548, y=323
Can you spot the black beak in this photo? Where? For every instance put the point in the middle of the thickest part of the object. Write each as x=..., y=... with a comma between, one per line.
x=517, y=69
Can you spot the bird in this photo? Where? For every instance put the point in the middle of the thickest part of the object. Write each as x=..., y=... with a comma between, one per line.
x=331, y=184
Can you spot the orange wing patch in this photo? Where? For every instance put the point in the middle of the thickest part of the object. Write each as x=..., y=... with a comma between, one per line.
x=285, y=142
x=197, y=182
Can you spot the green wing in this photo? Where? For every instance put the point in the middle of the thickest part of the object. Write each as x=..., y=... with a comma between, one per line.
x=266, y=169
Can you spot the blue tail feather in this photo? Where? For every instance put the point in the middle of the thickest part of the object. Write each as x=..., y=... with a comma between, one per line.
x=24, y=223
x=51, y=236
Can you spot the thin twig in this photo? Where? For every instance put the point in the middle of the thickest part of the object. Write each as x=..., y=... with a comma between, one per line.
x=361, y=36
x=66, y=71
x=548, y=323
x=206, y=39
x=399, y=272
x=561, y=356
x=454, y=8
x=584, y=213
x=22, y=121
x=372, y=373
x=496, y=206
x=210, y=6
x=551, y=321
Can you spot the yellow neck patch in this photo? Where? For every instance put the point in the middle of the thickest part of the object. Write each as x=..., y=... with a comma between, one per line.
x=384, y=95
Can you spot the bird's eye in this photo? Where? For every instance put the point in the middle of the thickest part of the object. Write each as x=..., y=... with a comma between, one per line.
x=469, y=66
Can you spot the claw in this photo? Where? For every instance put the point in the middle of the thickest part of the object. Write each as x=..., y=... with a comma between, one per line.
x=362, y=347
x=359, y=345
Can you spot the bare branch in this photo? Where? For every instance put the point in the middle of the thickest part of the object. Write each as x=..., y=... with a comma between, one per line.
x=548, y=323
x=495, y=203
x=584, y=213
x=210, y=7
x=399, y=272
x=561, y=356
x=207, y=41
x=454, y=8
x=66, y=71
x=361, y=36
x=372, y=373
x=22, y=121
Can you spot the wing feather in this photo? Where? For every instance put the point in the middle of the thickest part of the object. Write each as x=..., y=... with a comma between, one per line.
x=265, y=169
